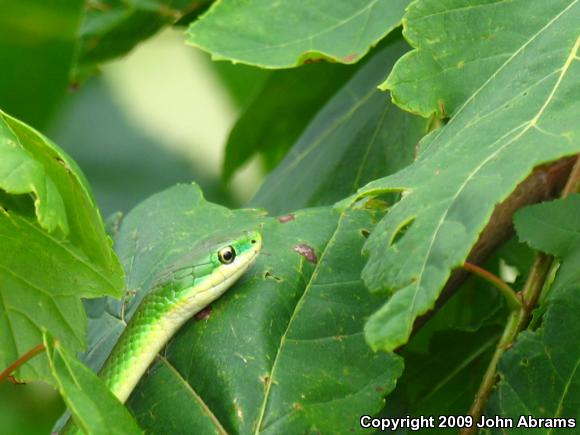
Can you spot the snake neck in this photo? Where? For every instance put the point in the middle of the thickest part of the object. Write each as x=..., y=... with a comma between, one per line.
x=146, y=334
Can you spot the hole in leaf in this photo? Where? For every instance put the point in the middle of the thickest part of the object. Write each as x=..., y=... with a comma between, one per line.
x=401, y=231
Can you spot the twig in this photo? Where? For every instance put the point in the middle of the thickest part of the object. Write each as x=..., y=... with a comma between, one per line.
x=22, y=360
x=507, y=292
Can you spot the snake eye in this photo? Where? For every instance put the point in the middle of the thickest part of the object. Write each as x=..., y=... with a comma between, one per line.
x=226, y=255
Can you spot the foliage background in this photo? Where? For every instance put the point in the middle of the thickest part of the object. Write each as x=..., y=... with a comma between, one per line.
x=162, y=115
x=127, y=149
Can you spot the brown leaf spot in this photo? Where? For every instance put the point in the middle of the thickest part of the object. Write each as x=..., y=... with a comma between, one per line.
x=74, y=86
x=312, y=60
x=307, y=252
x=286, y=218
x=351, y=57
x=297, y=407
x=61, y=162
x=270, y=275
x=379, y=389
x=442, y=110
x=265, y=380
x=203, y=314
x=15, y=381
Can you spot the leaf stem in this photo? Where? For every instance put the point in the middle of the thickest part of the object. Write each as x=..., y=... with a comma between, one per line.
x=22, y=360
x=507, y=292
x=517, y=320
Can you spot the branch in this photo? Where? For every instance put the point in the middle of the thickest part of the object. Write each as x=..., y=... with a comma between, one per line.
x=518, y=320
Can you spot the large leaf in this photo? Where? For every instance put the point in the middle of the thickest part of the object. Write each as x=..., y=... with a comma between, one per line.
x=493, y=143
x=357, y=137
x=271, y=124
x=111, y=28
x=53, y=246
x=286, y=34
x=37, y=44
x=460, y=44
x=94, y=408
x=539, y=375
x=247, y=364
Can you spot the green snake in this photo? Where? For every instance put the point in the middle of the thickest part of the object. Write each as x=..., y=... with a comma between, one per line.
x=182, y=290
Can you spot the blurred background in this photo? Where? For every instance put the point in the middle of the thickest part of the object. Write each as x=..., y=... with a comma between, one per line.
x=157, y=117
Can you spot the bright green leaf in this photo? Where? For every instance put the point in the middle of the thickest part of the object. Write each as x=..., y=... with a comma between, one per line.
x=357, y=137
x=94, y=408
x=286, y=34
x=507, y=128
x=553, y=227
x=53, y=246
x=539, y=375
x=461, y=44
x=248, y=363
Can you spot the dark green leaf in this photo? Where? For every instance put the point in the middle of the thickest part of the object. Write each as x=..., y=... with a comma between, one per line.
x=94, y=408
x=53, y=246
x=444, y=380
x=507, y=128
x=286, y=34
x=111, y=28
x=539, y=375
x=37, y=44
x=358, y=136
x=462, y=44
x=248, y=364
x=280, y=112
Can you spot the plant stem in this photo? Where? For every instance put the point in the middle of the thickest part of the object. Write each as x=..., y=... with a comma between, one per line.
x=507, y=292
x=519, y=319
x=22, y=360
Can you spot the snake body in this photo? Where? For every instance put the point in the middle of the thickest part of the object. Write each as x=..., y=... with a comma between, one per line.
x=182, y=290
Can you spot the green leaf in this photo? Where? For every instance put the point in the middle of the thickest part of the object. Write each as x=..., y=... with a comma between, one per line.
x=539, y=375
x=461, y=44
x=446, y=358
x=553, y=227
x=248, y=364
x=37, y=46
x=286, y=34
x=507, y=128
x=111, y=28
x=53, y=246
x=444, y=380
x=94, y=408
x=357, y=137
x=271, y=124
